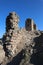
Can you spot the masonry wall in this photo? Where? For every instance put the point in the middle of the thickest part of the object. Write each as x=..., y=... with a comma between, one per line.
x=29, y=25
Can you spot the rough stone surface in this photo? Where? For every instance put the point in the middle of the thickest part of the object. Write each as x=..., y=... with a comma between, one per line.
x=2, y=54
x=19, y=46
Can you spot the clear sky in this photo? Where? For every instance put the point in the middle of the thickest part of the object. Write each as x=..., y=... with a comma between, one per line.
x=25, y=9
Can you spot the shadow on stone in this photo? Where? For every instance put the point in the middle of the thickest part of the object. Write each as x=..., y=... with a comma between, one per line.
x=17, y=59
x=37, y=56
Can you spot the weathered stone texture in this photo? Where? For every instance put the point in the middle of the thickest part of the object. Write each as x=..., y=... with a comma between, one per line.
x=19, y=46
x=2, y=54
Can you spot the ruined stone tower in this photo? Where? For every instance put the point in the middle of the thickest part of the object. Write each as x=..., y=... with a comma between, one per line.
x=13, y=37
x=9, y=39
x=12, y=21
x=29, y=25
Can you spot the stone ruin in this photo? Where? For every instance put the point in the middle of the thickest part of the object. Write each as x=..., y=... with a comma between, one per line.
x=12, y=38
x=30, y=25
x=13, y=34
x=15, y=39
x=9, y=39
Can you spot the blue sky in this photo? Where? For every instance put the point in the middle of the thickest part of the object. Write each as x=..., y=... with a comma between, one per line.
x=25, y=9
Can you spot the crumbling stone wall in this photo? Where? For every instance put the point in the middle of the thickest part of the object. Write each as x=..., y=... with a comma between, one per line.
x=11, y=32
x=16, y=40
x=13, y=38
